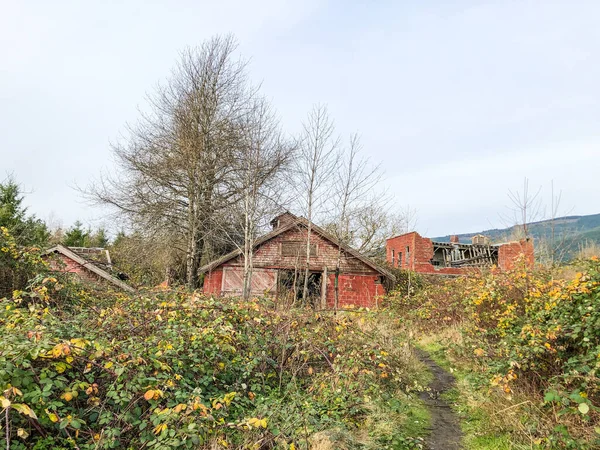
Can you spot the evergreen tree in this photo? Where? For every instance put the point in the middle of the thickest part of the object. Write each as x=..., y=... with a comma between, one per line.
x=27, y=230
x=76, y=236
x=99, y=238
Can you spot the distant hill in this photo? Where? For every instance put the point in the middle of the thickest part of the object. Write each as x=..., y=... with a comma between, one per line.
x=570, y=231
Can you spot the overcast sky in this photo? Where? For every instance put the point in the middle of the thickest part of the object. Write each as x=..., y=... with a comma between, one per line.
x=459, y=99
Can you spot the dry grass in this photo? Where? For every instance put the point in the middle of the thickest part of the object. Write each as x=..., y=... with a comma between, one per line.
x=588, y=250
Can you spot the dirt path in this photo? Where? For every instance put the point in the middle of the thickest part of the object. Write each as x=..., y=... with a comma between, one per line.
x=445, y=425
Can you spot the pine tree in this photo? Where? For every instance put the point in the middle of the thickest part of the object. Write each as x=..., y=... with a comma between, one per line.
x=27, y=230
x=99, y=239
x=76, y=236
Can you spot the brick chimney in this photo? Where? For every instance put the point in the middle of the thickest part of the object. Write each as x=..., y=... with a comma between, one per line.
x=454, y=239
x=282, y=220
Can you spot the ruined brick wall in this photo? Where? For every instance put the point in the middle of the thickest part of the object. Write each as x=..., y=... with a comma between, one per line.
x=213, y=281
x=419, y=255
x=397, y=246
x=510, y=253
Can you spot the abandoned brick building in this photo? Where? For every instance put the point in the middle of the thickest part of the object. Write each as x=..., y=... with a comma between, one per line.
x=414, y=252
x=279, y=261
x=89, y=264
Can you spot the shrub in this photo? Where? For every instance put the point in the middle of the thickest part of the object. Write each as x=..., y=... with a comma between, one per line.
x=170, y=369
x=531, y=332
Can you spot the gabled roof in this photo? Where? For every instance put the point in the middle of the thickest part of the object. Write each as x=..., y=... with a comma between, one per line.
x=66, y=251
x=299, y=221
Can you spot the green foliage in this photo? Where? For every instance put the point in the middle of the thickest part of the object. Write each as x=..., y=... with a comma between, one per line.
x=170, y=369
x=99, y=239
x=407, y=282
x=18, y=265
x=26, y=229
x=145, y=260
x=76, y=236
x=532, y=332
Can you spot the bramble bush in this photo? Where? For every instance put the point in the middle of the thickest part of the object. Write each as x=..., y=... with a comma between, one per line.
x=85, y=369
x=530, y=330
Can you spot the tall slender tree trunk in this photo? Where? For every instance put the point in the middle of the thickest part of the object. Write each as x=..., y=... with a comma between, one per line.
x=248, y=250
x=307, y=269
x=194, y=257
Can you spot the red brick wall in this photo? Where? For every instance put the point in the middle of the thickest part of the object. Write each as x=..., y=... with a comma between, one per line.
x=399, y=244
x=421, y=252
x=354, y=290
x=62, y=263
x=213, y=281
x=509, y=254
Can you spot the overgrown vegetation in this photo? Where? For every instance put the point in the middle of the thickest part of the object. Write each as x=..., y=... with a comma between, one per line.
x=83, y=368
x=528, y=340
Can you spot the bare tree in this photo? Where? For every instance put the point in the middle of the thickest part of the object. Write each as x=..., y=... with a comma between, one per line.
x=526, y=207
x=554, y=240
x=176, y=163
x=261, y=161
x=374, y=223
x=354, y=183
x=316, y=165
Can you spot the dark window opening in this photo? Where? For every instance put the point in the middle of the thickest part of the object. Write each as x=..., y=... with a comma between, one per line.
x=439, y=258
x=290, y=283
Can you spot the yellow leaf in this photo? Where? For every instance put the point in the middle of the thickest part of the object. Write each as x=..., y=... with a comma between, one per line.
x=53, y=417
x=479, y=352
x=22, y=433
x=229, y=398
x=149, y=395
x=263, y=423
x=67, y=396
x=108, y=365
x=56, y=351
x=79, y=342
x=5, y=402
x=180, y=407
x=25, y=410
x=159, y=428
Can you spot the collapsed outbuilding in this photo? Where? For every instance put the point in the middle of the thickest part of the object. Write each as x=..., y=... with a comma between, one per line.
x=413, y=252
x=89, y=264
x=279, y=261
